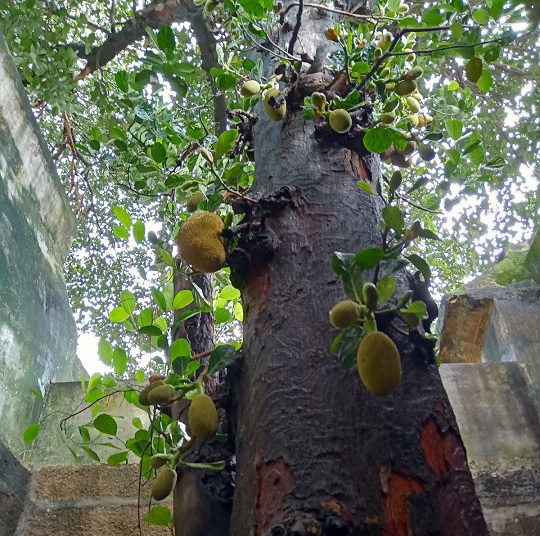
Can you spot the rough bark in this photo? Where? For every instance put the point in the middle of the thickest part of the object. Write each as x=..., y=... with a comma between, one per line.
x=316, y=453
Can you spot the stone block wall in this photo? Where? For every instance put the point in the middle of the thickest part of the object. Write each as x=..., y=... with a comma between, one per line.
x=37, y=329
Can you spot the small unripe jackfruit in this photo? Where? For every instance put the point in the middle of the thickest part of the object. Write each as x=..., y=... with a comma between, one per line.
x=161, y=395
x=203, y=417
x=340, y=121
x=405, y=87
x=194, y=200
x=250, y=88
x=426, y=152
x=318, y=100
x=344, y=314
x=163, y=484
x=387, y=118
x=378, y=362
x=402, y=9
x=414, y=73
x=143, y=395
x=275, y=114
x=413, y=104
x=207, y=155
x=210, y=6
x=159, y=460
x=200, y=242
x=370, y=296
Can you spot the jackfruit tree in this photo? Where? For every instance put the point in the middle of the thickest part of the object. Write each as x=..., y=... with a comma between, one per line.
x=287, y=166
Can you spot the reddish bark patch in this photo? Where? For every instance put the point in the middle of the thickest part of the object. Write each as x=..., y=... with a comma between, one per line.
x=259, y=288
x=398, y=489
x=275, y=481
x=337, y=508
x=443, y=451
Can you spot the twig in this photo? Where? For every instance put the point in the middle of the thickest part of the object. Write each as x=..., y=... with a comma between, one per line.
x=417, y=206
x=341, y=12
x=294, y=36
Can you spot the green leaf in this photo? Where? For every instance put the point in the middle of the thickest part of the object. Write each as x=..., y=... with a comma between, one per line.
x=118, y=314
x=492, y=53
x=361, y=67
x=229, y=293
x=225, y=142
x=122, y=80
x=85, y=434
x=485, y=81
x=456, y=29
x=105, y=351
x=31, y=433
x=481, y=16
x=182, y=299
x=433, y=17
x=363, y=185
x=421, y=265
x=119, y=361
x=123, y=217
x=216, y=466
x=106, y=424
x=473, y=69
x=347, y=347
x=222, y=315
x=91, y=453
x=454, y=128
x=417, y=308
x=136, y=421
x=94, y=381
x=158, y=152
x=127, y=300
x=159, y=515
x=159, y=298
x=378, y=139
x=153, y=331
x=108, y=382
x=426, y=233
x=121, y=232
x=352, y=276
x=179, y=348
x=221, y=357
x=165, y=38
x=139, y=233
x=369, y=258
x=118, y=458
x=393, y=218
x=93, y=396
x=386, y=287
x=36, y=394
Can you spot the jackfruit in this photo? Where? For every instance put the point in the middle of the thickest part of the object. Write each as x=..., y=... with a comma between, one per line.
x=207, y=155
x=163, y=484
x=405, y=87
x=161, y=395
x=387, y=118
x=203, y=417
x=414, y=120
x=378, y=362
x=275, y=114
x=159, y=460
x=413, y=104
x=340, y=121
x=200, y=243
x=143, y=395
x=402, y=9
x=318, y=100
x=344, y=314
x=250, y=88
x=414, y=73
x=370, y=296
x=194, y=200
x=426, y=152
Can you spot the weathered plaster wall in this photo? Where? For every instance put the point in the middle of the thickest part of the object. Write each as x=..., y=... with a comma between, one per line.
x=490, y=347
x=37, y=329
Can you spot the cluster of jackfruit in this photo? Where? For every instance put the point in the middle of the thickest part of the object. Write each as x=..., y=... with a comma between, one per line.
x=200, y=242
x=203, y=417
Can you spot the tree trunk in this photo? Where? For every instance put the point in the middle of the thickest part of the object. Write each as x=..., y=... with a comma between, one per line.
x=316, y=453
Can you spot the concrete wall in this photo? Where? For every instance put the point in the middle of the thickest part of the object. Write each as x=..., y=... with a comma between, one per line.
x=37, y=329
x=490, y=341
